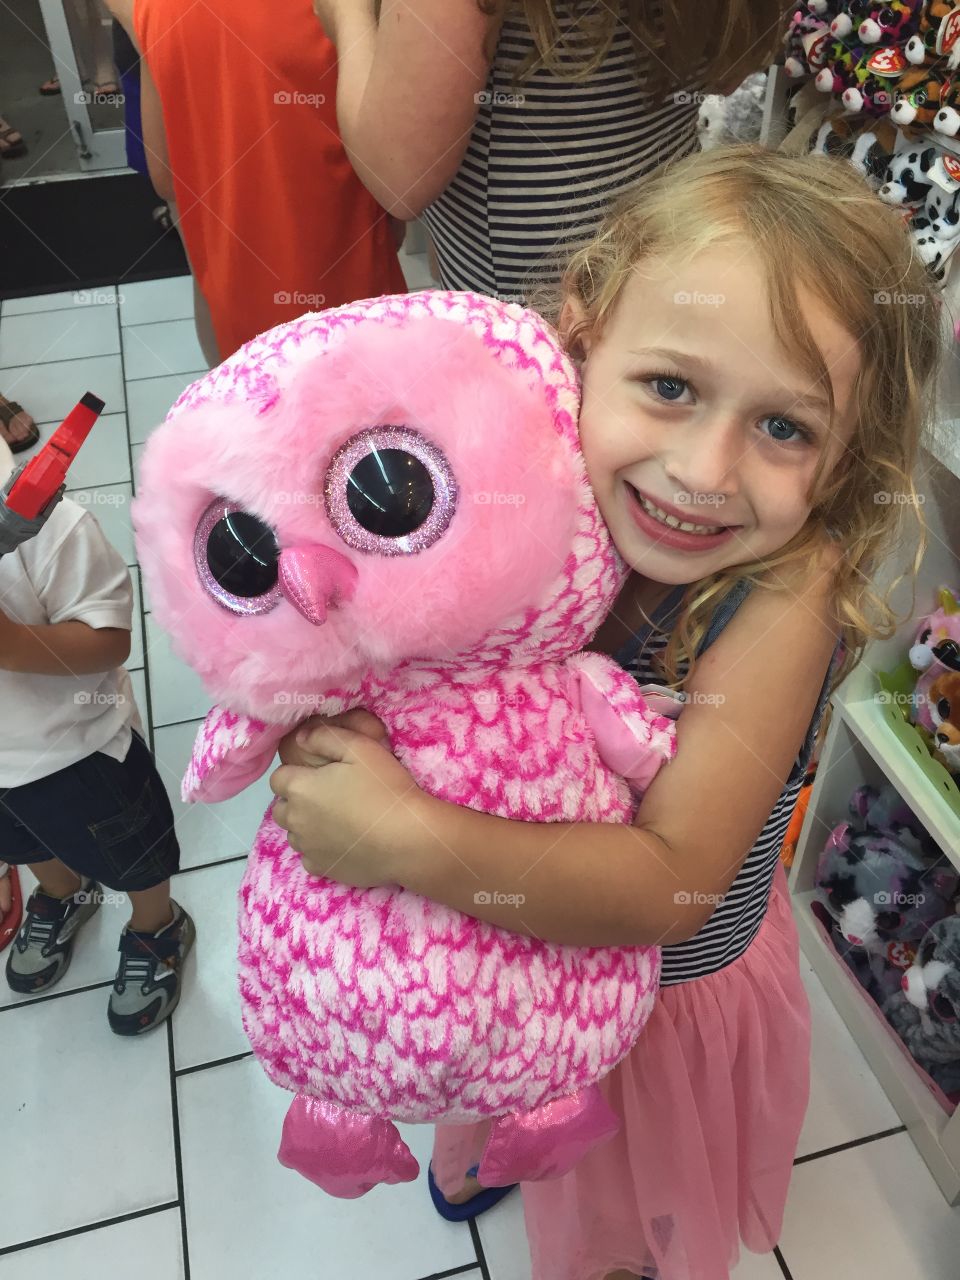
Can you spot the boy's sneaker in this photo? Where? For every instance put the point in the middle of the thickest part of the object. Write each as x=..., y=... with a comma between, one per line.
x=41, y=952
x=147, y=986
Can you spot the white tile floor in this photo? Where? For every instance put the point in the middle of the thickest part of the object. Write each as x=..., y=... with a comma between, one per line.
x=164, y=1163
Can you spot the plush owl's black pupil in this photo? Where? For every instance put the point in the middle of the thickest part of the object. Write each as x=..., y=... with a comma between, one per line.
x=944, y=1008
x=390, y=493
x=242, y=553
x=889, y=920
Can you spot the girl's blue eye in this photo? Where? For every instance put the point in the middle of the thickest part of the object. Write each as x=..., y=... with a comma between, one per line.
x=670, y=388
x=783, y=429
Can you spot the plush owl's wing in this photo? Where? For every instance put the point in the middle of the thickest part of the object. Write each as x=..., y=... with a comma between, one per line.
x=231, y=751
x=635, y=733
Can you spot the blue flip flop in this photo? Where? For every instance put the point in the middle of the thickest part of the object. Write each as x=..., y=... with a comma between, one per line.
x=471, y=1208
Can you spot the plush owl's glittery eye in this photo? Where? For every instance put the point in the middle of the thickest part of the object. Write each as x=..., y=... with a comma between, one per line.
x=237, y=558
x=389, y=491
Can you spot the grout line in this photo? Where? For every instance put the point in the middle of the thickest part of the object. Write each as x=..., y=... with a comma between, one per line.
x=90, y=1226
x=39, y=364
x=55, y=311
x=454, y=1271
x=847, y=1146
x=56, y=995
x=217, y=862
x=173, y=724
x=478, y=1246
x=787, y=1275
x=175, y=1117
x=217, y=1062
x=190, y=373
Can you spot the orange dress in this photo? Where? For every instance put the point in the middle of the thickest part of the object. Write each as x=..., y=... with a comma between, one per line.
x=274, y=218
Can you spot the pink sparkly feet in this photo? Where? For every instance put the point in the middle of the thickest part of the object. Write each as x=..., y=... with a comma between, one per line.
x=548, y=1141
x=344, y=1154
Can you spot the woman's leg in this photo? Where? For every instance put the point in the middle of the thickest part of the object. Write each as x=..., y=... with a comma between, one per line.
x=202, y=319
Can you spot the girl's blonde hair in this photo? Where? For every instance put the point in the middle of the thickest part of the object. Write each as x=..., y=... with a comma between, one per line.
x=811, y=223
x=678, y=43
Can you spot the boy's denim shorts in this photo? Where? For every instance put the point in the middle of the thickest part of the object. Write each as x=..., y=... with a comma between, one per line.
x=101, y=818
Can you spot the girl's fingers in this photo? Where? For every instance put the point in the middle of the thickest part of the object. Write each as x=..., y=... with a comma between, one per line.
x=360, y=721
x=333, y=743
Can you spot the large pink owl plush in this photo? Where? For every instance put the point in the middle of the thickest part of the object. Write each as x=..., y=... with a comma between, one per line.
x=385, y=506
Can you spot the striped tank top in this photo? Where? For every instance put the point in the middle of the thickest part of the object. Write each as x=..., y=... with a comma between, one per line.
x=545, y=158
x=737, y=920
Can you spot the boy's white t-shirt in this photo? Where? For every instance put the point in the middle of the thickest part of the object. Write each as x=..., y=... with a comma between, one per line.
x=68, y=572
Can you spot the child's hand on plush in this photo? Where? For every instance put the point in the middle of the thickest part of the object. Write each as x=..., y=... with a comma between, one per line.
x=354, y=813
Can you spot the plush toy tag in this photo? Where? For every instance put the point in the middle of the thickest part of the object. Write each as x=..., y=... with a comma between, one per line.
x=889, y=62
x=663, y=701
x=901, y=954
x=945, y=172
x=948, y=32
x=815, y=46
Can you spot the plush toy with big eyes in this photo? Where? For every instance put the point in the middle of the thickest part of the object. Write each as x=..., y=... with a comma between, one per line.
x=934, y=652
x=884, y=883
x=925, y=1013
x=385, y=506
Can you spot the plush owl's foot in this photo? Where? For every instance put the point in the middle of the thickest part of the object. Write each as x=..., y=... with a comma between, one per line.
x=548, y=1141
x=345, y=1154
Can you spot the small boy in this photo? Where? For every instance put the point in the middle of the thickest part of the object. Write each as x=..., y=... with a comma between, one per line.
x=81, y=802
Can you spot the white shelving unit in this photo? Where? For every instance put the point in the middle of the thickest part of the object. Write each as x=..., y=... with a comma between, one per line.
x=860, y=747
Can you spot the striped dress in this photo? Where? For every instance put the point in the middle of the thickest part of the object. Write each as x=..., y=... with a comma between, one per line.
x=737, y=920
x=545, y=158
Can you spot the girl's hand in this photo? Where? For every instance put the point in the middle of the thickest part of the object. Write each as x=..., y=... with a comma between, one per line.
x=355, y=819
x=292, y=751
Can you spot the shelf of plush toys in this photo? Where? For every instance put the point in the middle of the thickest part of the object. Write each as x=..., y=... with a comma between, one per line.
x=853, y=884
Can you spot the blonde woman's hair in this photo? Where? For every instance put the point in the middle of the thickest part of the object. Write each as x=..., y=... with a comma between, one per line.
x=812, y=223
x=678, y=43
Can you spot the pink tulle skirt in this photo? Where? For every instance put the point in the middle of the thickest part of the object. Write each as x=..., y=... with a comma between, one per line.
x=711, y=1098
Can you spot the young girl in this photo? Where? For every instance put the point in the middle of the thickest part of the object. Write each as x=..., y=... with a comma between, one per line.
x=536, y=115
x=757, y=343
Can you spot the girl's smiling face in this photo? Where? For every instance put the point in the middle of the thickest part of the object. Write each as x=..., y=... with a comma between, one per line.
x=694, y=414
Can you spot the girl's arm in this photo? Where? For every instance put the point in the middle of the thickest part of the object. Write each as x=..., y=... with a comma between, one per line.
x=61, y=648
x=406, y=91
x=151, y=113
x=362, y=820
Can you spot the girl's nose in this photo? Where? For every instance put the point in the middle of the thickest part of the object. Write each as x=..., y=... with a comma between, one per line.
x=315, y=578
x=706, y=458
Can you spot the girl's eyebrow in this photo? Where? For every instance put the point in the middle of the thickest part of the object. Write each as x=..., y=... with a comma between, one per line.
x=810, y=399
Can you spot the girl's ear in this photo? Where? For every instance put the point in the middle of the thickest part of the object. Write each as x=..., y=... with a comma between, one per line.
x=574, y=333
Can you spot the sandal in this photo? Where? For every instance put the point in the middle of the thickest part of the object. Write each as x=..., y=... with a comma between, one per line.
x=10, y=922
x=9, y=409
x=50, y=88
x=471, y=1208
x=104, y=92
x=12, y=144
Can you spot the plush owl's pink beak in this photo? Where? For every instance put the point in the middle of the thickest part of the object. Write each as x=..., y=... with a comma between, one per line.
x=315, y=578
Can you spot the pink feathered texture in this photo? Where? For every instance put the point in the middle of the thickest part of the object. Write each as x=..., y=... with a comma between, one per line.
x=381, y=1001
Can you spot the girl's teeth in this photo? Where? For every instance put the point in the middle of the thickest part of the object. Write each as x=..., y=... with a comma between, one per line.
x=672, y=521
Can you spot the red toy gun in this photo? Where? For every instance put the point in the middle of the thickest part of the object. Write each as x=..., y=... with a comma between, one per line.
x=35, y=488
